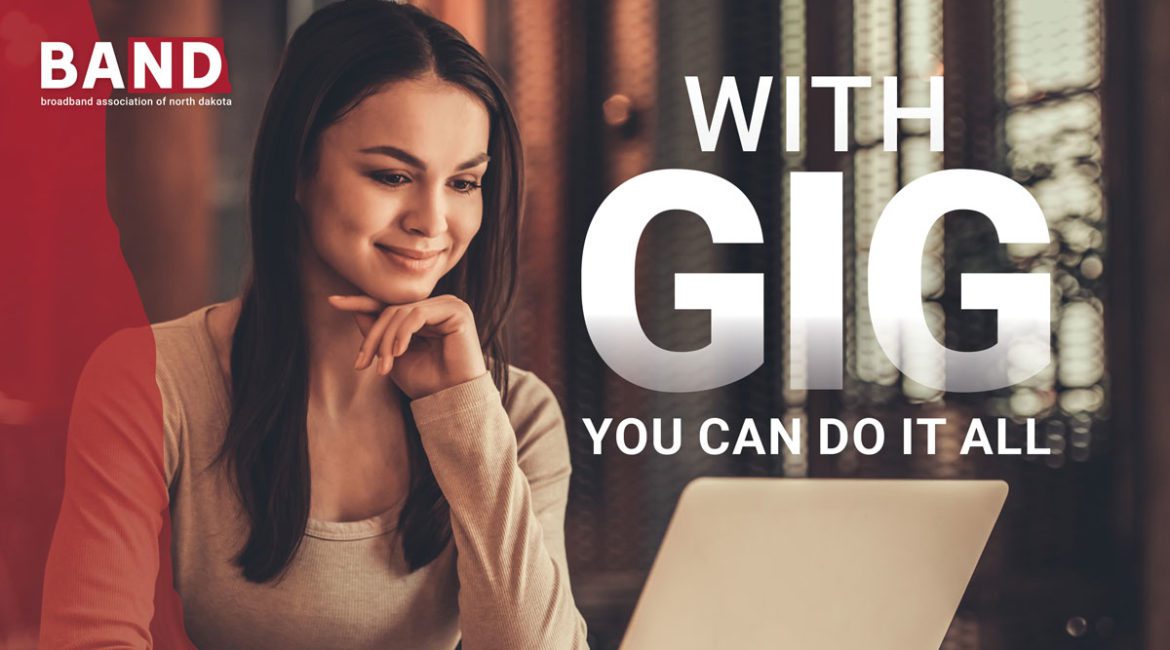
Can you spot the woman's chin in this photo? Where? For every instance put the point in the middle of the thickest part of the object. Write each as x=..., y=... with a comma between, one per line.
x=400, y=293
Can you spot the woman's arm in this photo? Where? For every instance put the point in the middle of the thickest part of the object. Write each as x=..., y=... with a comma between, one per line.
x=103, y=565
x=507, y=488
x=506, y=485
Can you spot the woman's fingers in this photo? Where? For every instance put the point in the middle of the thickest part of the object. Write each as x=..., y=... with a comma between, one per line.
x=373, y=337
x=365, y=321
x=406, y=331
x=388, y=330
x=386, y=344
x=365, y=310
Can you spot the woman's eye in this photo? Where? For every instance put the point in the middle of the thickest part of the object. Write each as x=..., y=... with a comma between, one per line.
x=464, y=185
x=390, y=178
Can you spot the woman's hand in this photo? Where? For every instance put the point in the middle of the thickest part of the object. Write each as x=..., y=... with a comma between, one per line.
x=424, y=346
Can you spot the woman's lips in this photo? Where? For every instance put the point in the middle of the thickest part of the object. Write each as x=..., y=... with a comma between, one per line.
x=410, y=259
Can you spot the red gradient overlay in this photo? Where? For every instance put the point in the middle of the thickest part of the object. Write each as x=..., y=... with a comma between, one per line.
x=66, y=289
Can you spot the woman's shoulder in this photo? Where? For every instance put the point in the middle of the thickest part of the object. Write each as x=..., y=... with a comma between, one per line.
x=193, y=342
x=191, y=382
x=180, y=344
x=180, y=336
x=197, y=331
x=188, y=366
x=156, y=345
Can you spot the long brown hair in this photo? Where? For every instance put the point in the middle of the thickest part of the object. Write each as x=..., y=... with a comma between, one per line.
x=342, y=54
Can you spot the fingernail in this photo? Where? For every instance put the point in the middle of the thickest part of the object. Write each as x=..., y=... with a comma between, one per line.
x=357, y=363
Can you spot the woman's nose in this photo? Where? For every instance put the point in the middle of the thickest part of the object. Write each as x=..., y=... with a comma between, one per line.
x=426, y=216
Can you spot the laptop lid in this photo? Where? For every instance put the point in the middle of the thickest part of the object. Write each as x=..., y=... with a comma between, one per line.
x=814, y=564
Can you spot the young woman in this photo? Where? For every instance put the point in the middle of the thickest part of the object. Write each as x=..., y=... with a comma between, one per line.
x=346, y=457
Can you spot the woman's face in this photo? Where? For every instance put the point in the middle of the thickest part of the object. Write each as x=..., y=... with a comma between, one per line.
x=394, y=199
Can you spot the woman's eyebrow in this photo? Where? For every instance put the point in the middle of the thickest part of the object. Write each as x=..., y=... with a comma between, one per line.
x=395, y=152
x=416, y=162
x=474, y=162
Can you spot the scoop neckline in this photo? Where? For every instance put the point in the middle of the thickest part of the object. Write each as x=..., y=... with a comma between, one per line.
x=379, y=524
x=374, y=526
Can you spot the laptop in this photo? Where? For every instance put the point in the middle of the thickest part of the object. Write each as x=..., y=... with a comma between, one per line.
x=814, y=564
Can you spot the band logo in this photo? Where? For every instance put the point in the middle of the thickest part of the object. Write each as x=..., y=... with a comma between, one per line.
x=155, y=65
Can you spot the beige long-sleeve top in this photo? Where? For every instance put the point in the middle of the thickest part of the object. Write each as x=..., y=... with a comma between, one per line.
x=503, y=583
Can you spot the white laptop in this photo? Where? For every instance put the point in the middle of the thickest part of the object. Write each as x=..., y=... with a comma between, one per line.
x=814, y=564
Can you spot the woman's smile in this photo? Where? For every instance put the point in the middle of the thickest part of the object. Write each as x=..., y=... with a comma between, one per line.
x=411, y=260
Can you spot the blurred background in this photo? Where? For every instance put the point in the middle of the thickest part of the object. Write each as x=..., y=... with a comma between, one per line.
x=1064, y=96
